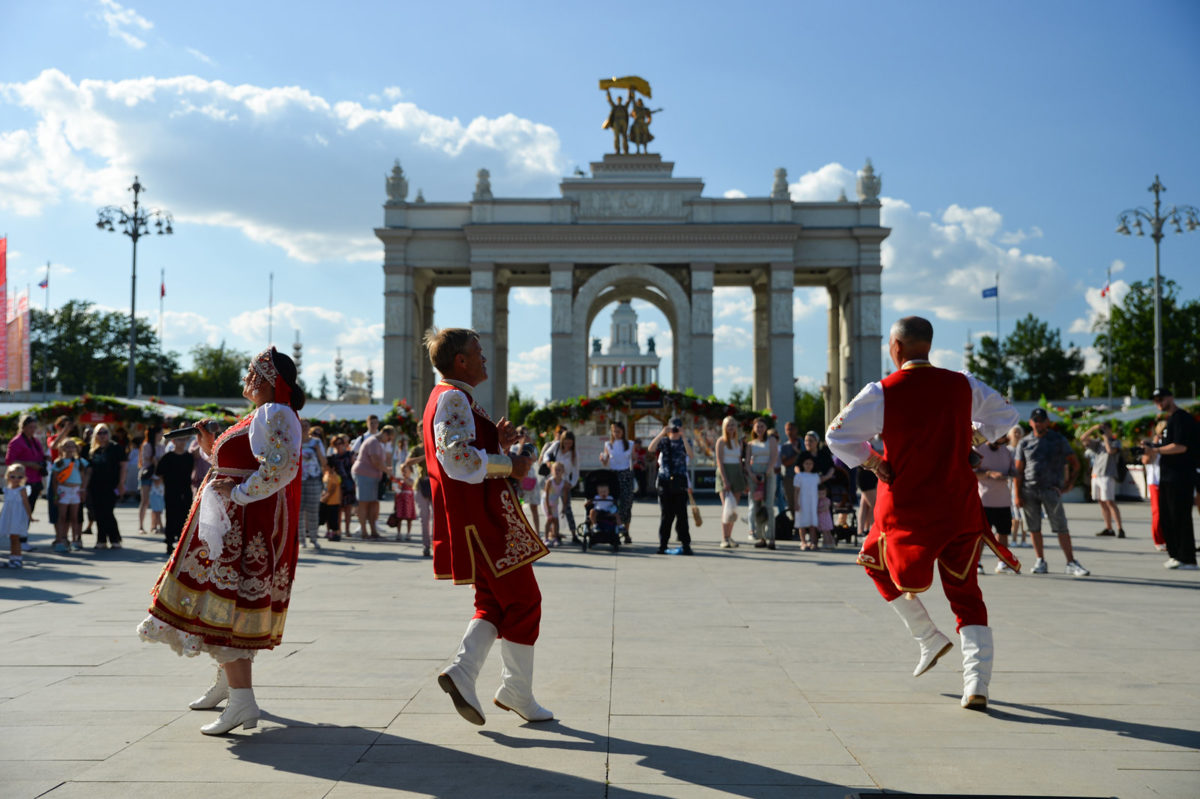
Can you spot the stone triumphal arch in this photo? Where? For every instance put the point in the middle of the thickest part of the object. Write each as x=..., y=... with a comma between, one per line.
x=631, y=229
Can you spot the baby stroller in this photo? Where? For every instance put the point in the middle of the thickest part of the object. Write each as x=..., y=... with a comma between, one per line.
x=607, y=529
x=846, y=508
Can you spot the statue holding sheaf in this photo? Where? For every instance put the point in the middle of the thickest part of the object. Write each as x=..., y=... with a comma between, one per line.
x=624, y=132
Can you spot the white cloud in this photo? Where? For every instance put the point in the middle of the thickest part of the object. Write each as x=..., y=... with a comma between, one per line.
x=531, y=365
x=119, y=19
x=735, y=303
x=823, y=185
x=533, y=297
x=734, y=194
x=252, y=155
x=730, y=336
x=939, y=267
x=199, y=56
x=947, y=359
x=1117, y=265
x=808, y=301
x=1098, y=306
x=1017, y=236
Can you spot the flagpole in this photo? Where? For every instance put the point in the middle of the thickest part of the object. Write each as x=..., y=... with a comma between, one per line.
x=1108, y=357
x=998, y=350
x=45, y=334
x=162, y=292
x=270, y=307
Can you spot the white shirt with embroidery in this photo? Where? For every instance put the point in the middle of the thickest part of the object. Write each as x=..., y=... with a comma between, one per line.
x=862, y=419
x=453, y=433
x=275, y=442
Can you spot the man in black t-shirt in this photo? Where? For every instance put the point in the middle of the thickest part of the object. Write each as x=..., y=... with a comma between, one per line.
x=1176, y=482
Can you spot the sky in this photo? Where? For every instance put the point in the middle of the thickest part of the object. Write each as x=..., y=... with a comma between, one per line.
x=1008, y=136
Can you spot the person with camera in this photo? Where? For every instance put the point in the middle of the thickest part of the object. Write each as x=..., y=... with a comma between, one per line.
x=1103, y=449
x=674, y=453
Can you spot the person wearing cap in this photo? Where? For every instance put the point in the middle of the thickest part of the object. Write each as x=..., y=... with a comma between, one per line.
x=1041, y=459
x=674, y=453
x=927, y=508
x=480, y=535
x=1177, y=451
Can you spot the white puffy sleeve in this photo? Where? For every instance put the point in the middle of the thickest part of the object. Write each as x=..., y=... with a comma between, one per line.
x=454, y=436
x=990, y=411
x=275, y=442
x=858, y=423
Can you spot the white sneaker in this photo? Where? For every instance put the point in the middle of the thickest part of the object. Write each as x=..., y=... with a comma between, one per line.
x=979, y=567
x=1075, y=569
x=1040, y=567
x=1172, y=564
x=1188, y=567
x=1004, y=568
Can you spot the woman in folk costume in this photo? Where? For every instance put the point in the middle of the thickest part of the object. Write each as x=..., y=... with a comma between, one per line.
x=226, y=589
x=927, y=508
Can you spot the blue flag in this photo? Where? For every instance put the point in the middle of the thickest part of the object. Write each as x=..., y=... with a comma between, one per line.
x=994, y=291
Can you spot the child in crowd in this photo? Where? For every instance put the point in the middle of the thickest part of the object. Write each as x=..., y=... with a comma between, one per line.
x=14, y=517
x=806, y=482
x=331, y=502
x=825, y=518
x=602, y=510
x=406, y=502
x=158, y=504
x=551, y=503
x=70, y=477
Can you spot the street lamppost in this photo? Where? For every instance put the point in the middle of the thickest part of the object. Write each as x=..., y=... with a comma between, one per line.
x=134, y=224
x=1175, y=214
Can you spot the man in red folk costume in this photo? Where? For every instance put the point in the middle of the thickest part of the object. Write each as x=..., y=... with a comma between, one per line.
x=480, y=534
x=927, y=509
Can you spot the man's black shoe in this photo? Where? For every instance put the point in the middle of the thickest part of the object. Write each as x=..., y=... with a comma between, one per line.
x=1121, y=533
x=1105, y=532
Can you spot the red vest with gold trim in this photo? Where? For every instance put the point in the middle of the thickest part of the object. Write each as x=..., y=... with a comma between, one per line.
x=934, y=494
x=487, y=513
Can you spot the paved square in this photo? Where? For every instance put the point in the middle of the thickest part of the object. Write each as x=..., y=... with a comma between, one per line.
x=733, y=673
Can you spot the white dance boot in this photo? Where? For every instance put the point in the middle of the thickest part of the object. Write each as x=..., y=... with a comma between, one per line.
x=458, y=679
x=215, y=695
x=978, y=652
x=241, y=711
x=921, y=627
x=516, y=687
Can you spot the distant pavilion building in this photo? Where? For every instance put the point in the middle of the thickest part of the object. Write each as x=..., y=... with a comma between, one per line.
x=624, y=364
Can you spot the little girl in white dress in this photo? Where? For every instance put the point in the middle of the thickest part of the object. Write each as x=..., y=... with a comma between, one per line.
x=14, y=517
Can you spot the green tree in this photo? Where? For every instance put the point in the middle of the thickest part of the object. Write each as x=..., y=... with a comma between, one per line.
x=215, y=372
x=519, y=406
x=809, y=410
x=742, y=398
x=1133, y=340
x=989, y=364
x=90, y=350
x=1040, y=364
x=323, y=387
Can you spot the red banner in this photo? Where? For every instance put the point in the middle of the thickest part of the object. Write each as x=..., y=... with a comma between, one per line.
x=4, y=304
x=17, y=344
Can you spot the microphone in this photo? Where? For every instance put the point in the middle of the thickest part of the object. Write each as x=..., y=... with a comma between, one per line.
x=187, y=432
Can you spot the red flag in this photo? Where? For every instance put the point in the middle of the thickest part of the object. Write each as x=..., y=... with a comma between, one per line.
x=1104, y=291
x=162, y=289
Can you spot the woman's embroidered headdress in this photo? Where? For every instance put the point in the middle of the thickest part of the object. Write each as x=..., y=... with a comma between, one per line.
x=264, y=365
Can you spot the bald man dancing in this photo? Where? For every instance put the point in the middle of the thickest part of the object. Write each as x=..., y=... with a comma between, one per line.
x=927, y=508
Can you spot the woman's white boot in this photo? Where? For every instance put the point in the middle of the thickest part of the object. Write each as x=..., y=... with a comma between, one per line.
x=215, y=695
x=933, y=643
x=241, y=711
x=516, y=687
x=459, y=678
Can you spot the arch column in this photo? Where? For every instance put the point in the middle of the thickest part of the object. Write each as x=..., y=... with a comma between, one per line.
x=762, y=345
x=399, y=331
x=483, y=321
x=833, y=377
x=702, y=328
x=866, y=334
x=782, y=280
x=562, y=356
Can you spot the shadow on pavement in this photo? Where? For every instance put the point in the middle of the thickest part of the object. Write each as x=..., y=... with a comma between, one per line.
x=448, y=772
x=1152, y=733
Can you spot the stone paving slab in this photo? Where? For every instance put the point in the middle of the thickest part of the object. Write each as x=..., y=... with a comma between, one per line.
x=737, y=673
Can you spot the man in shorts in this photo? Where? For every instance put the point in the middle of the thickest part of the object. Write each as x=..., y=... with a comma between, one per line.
x=1041, y=458
x=1104, y=451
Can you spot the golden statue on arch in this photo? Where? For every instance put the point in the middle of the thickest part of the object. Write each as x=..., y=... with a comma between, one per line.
x=619, y=113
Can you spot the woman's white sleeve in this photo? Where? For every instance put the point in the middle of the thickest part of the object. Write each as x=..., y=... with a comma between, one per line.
x=275, y=442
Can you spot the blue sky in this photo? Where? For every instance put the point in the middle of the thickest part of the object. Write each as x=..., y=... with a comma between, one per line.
x=1009, y=136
